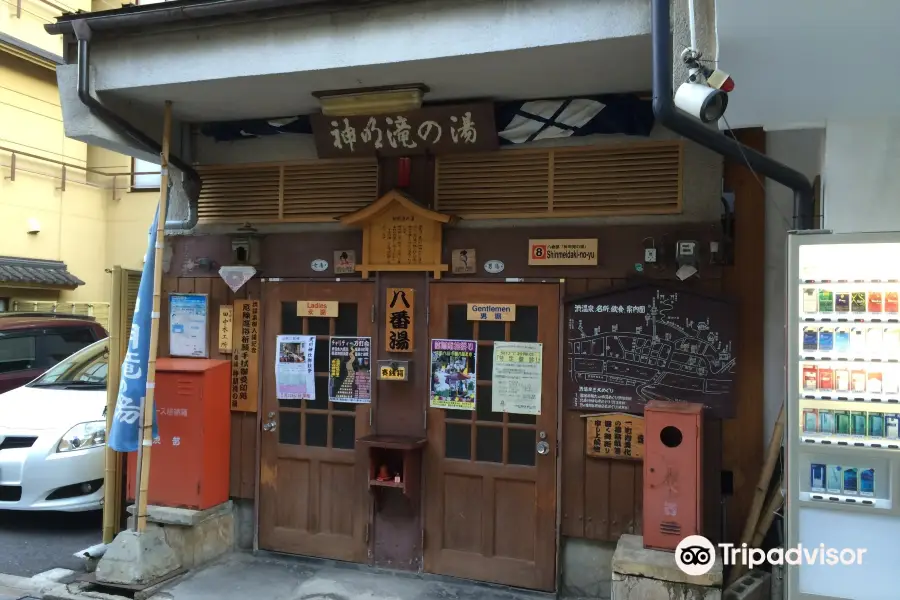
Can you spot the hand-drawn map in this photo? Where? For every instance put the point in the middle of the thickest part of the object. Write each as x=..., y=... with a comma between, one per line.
x=644, y=343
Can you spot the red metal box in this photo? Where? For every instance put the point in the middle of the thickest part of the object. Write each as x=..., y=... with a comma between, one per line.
x=189, y=466
x=673, y=473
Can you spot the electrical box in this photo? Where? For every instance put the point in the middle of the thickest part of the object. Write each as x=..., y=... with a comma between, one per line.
x=673, y=473
x=245, y=251
x=190, y=462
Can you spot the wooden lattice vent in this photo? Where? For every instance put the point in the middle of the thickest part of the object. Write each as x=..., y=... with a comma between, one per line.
x=614, y=179
x=310, y=191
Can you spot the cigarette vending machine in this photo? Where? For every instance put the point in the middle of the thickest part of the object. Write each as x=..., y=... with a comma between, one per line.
x=843, y=414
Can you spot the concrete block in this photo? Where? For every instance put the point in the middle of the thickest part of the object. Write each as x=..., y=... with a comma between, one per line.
x=631, y=558
x=629, y=587
x=53, y=575
x=755, y=585
x=135, y=558
x=586, y=570
x=168, y=515
x=243, y=524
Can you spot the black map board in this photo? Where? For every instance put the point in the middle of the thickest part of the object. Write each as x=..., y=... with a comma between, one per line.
x=625, y=347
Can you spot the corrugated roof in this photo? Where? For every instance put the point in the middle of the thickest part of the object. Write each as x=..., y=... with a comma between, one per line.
x=50, y=273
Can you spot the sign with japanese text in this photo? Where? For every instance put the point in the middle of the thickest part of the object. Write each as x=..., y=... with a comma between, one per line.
x=628, y=346
x=517, y=378
x=245, y=356
x=188, y=323
x=562, y=252
x=226, y=320
x=432, y=130
x=615, y=435
x=350, y=370
x=400, y=319
x=453, y=376
x=317, y=308
x=491, y=312
x=393, y=370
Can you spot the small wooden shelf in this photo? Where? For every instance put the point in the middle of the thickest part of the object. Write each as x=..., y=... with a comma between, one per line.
x=400, y=456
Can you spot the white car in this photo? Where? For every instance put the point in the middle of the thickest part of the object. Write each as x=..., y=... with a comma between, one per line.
x=53, y=435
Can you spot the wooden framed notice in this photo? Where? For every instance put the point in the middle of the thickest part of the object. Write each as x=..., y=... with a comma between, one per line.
x=245, y=356
x=561, y=252
x=317, y=308
x=614, y=435
x=490, y=312
x=400, y=319
x=226, y=322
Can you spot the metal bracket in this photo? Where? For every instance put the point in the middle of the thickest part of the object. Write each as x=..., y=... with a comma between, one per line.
x=62, y=186
x=12, y=167
x=372, y=313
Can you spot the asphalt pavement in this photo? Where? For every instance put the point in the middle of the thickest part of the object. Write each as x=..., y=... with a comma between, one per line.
x=34, y=542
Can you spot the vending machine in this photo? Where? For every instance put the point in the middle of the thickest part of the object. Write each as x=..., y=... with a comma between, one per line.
x=843, y=415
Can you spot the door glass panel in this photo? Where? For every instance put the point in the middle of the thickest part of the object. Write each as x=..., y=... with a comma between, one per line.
x=522, y=444
x=291, y=324
x=459, y=327
x=343, y=406
x=492, y=330
x=485, y=367
x=321, y=401
x=458, y=442
x=290, y=403
x=526, y=419
x=489, y=444
x=320, y=365
x=525, y=327
x=483, y=405
x=319, y=325
x=316, y=430
x=465, y=415
x=343, y=431
x=345, y=324
x=289, y=428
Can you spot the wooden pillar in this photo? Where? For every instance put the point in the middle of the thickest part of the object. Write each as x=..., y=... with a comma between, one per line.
x=745, y=282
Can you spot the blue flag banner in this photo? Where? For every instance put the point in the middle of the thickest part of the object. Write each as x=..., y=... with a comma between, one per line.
x=125, y=434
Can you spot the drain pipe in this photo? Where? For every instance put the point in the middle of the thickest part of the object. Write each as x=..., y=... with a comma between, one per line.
x=192, y=181
x=668, y=115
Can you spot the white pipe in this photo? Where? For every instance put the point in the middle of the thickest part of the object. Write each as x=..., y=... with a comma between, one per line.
x=693, y=25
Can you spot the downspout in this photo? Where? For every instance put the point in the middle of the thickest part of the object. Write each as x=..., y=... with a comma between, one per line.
x=192, y=181
x=668, y=115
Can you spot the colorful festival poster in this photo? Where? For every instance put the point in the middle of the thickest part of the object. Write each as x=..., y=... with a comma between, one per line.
x=453, y=374
x=349, y=376
x=295, y=377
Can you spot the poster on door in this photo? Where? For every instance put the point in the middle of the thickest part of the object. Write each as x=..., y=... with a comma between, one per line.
x=349, y=375
x=295, y=377
x=516, y=380
x=453, y=374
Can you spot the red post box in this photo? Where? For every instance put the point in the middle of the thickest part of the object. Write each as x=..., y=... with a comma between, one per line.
x=673, y=473
x=189, y=465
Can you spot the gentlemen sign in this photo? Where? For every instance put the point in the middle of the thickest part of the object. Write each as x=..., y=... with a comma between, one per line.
x=433, y=130
x=491, y=312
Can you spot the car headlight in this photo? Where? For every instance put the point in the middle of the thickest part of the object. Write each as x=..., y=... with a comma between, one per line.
x=83, y=435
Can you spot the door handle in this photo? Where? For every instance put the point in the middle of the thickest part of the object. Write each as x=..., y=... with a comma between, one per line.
x=542, y=446
x=271, y=424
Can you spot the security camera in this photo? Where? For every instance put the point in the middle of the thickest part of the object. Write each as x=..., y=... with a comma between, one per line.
x=701, y=101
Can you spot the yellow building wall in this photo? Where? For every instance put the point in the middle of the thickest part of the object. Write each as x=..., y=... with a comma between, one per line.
x=94, y=223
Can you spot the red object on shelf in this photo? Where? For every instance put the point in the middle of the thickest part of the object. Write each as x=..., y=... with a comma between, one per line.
x=403, y=169
x=673, y=473
x=189, y=466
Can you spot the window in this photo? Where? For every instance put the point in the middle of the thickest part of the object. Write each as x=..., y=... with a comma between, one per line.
x=58, y=344
x=4, y=305
x=88, y=366
x=16, y=353
x=145, y=176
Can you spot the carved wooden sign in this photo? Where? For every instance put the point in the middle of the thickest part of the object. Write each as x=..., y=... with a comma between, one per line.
x=649, y=342
x=245, y=356
x=614, y=435
x=400, y=318
x=433, y=130
x=399, y=235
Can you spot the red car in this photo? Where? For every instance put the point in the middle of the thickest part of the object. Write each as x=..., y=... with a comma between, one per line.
x=31, y=343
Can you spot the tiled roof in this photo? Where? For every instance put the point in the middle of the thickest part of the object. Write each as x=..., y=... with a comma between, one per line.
x=50, y=273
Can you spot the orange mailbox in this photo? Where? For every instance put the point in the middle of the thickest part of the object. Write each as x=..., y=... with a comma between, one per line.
x=673, y=473
x=189, y=466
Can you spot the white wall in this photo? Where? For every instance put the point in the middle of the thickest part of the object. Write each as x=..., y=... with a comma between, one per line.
x=802, y=150
x=809, y=61
x=862, y=175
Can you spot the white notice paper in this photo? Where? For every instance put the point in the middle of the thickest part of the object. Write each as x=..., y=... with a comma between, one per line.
x=188, y=325
x=516, y=386
x=295, y=377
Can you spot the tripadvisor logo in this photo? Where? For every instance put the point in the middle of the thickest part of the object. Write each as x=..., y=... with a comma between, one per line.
x=695, y=555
